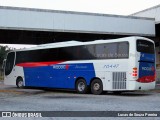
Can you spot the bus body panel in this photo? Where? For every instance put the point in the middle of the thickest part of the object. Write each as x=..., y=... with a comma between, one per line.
x=64, y=75
x=146, y=72
x=106, y=68
x=134, y=85
x=10, y=79
x=58, y=75
x=115, y=74
x=147, y=67
x=146, y=61
x=147, y=57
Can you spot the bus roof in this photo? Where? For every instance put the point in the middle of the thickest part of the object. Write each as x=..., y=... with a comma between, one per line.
x=76, y=43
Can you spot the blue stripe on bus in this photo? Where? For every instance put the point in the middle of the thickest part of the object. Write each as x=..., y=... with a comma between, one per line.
x=147, y=57
x=58, y=75
x=147, y=65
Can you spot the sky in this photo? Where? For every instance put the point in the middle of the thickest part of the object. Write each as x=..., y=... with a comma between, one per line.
x=116, y=7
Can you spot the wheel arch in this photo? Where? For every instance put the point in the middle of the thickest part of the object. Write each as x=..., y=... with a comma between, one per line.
x=94, y=79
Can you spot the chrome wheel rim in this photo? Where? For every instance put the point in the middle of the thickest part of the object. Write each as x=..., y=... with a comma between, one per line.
x=20, y=84
x=96, y=86
x=81, y=86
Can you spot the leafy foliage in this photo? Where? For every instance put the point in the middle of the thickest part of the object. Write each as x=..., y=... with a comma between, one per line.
x=3, y=52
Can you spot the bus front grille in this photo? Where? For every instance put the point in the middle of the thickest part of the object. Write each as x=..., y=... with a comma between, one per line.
x=119, y=80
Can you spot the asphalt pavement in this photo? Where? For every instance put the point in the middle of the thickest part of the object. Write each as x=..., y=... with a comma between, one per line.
x=36, y=99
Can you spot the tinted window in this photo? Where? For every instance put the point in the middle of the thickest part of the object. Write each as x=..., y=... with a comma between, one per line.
x=44, y=55
x=123, y=50
x=87, y=52
x=112, y=50
x=145, y=46
x=107, y=51
x=9, y=63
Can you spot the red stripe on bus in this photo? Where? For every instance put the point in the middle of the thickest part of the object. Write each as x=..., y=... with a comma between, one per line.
x=37, y=64
x=146, y=79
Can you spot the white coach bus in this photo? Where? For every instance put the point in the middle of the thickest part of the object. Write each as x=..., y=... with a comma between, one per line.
x=117, y=65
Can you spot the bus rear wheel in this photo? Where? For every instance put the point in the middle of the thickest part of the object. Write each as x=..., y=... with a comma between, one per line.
x=96, y=87
x=20, y=83
x=81, y=86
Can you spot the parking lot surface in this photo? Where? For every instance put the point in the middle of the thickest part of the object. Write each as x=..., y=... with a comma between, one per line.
x=36, y=99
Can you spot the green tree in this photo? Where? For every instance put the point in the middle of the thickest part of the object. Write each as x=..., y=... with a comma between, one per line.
x=3, y=51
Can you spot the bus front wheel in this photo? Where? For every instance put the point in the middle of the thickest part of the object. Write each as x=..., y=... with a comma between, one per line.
x=20, y=83
x=96, y=87
x=81, y=86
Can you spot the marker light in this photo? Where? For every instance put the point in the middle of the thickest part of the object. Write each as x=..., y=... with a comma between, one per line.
x=134, y=74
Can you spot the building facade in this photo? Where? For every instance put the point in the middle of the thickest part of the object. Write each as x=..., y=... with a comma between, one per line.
x=39, y=26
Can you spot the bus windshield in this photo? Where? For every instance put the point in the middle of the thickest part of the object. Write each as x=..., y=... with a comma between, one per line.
x=9, y=63
x=145, y=46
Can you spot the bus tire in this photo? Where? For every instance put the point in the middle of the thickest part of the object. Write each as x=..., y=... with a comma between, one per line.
x=96, y=87
x=19, y=83
x=81, y=86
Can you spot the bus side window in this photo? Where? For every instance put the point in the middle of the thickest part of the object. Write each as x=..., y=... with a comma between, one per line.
x=76, y=52
x=99, y=51
x=106, y=51
x=111, y=50
x=49, y=55
x=91, y=51
x=123, y=50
